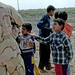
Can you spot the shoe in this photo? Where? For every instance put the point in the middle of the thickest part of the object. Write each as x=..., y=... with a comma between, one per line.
x=42, y=70
x=49, y=68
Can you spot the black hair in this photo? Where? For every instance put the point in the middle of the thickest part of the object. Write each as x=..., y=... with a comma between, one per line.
x=63, y=15
x=60, y=22
x=50, y=7
x=56, y=14
x=28, y=26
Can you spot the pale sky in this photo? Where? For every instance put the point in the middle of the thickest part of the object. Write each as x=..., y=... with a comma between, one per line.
x=37, y=4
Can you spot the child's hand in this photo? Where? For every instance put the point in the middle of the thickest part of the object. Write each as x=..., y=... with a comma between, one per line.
x=32, y=34
x=31, y=43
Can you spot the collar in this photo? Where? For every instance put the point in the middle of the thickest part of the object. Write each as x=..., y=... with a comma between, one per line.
x=58, y=33
x=25, y=34
x=48, y=16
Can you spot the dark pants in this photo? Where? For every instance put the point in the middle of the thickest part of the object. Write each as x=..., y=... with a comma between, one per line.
x=28, y=64
x=44, y=54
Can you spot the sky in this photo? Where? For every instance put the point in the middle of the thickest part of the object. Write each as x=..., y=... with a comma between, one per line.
x=39, y=4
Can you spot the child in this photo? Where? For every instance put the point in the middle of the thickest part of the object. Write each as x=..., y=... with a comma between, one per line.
x=36, y=70
x=26, y=45
x=26, y=29
x=44, y=25
x=67, y=29
x=61, y=47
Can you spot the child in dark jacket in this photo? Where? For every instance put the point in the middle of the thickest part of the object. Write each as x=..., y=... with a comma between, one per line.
x=44, y=25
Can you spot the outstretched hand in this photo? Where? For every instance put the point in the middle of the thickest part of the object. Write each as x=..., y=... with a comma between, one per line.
x=32, y=34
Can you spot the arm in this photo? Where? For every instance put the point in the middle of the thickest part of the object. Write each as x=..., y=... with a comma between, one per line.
x=68, y=48
x=31, y=43
x=43, y=40
x=42, y=22
x=18, y=40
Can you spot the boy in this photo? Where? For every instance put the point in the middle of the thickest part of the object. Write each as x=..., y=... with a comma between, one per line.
x=44, y=31
x=25, y=42
x=61, y=47
x=68, y=27
x=28, y=26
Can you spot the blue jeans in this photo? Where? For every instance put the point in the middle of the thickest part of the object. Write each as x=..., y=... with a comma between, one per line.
x=28, y=64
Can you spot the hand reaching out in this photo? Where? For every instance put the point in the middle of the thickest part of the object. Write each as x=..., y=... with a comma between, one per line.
x=32, y=34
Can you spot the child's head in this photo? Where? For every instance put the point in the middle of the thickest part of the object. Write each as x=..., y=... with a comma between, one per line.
x=26, y=28
x=50, y=10
x=56, y=14
x=58, y=25
x=61, y=14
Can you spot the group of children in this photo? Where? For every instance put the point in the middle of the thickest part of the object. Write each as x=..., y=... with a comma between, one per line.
x=59, y=41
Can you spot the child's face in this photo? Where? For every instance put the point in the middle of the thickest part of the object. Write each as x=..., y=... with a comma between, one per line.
x=51, y=13
x=57, y=27
x=24, y=30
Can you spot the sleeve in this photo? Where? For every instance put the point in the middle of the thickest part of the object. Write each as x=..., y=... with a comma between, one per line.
x=68, y=48
x=40, y=24
x=32, y=38
x=46, y=40
x=18, y=39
